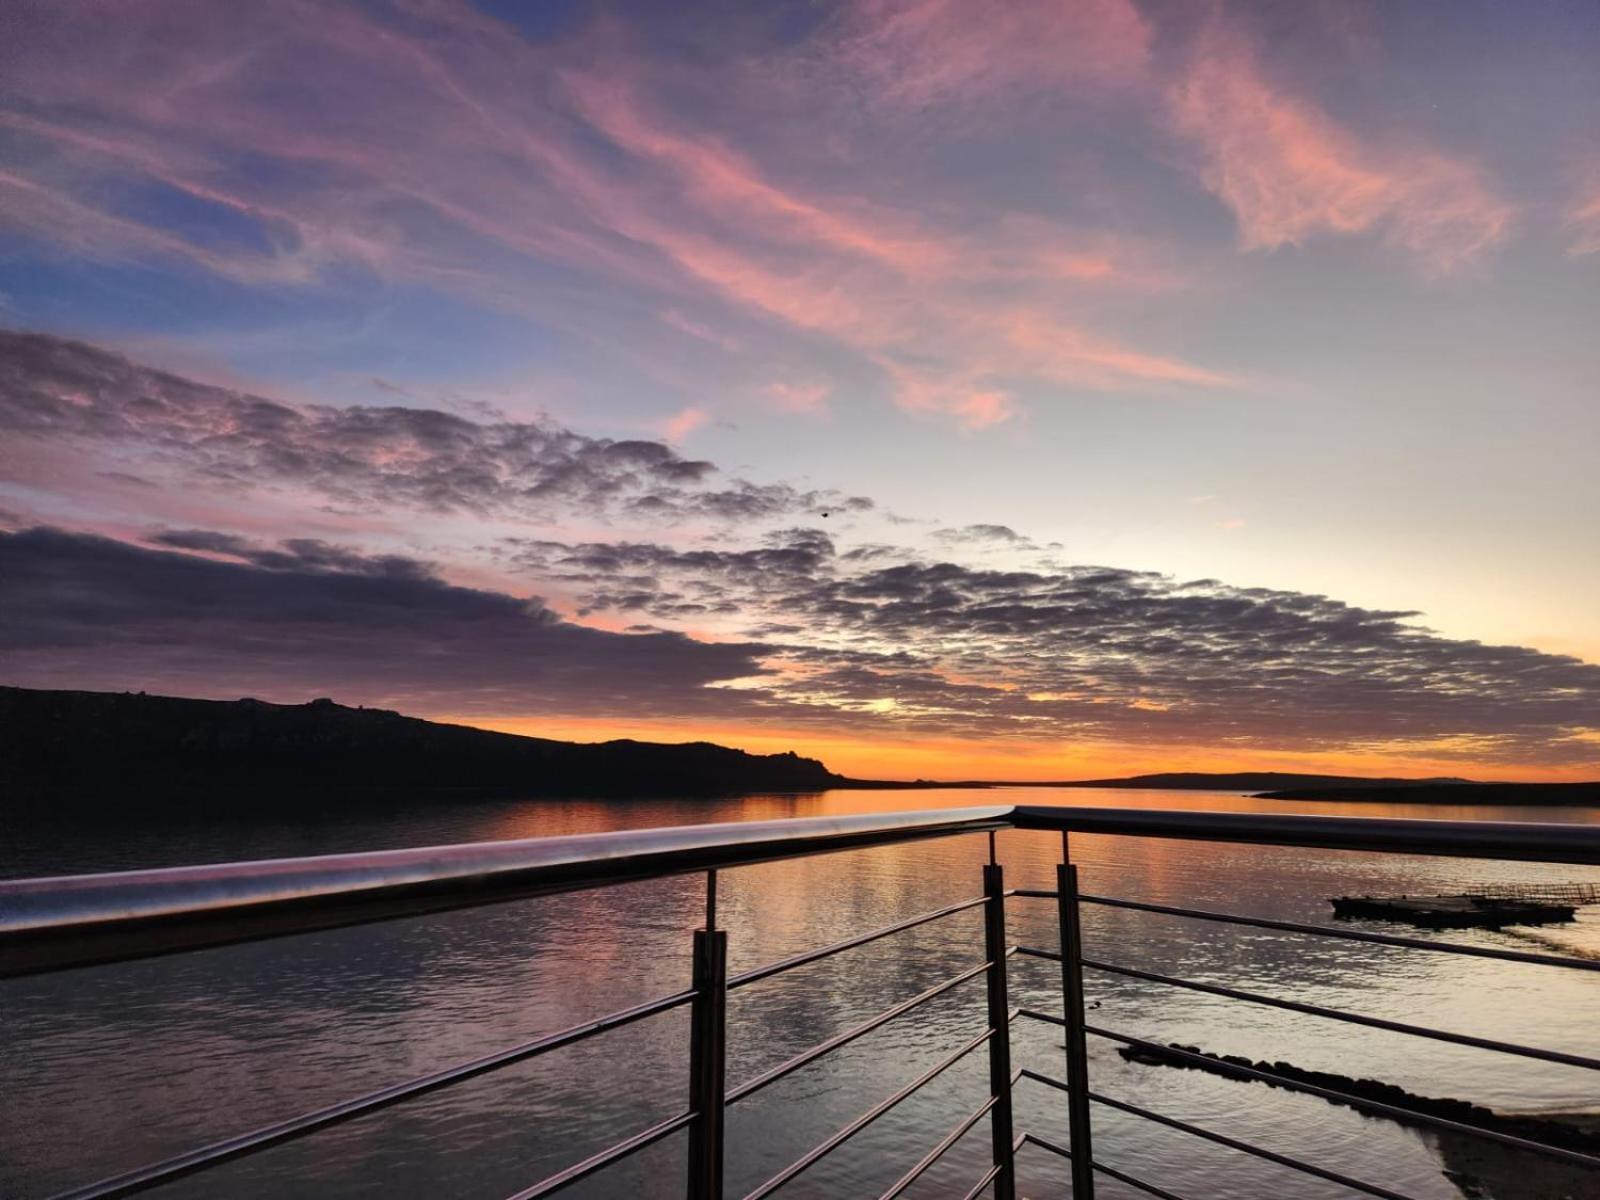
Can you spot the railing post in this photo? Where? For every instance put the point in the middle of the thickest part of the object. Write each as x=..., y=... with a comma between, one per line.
x=994, y=949
x=708, y=1053
x=1081, y=1140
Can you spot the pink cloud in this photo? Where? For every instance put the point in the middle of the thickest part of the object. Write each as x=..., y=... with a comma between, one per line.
x=916, y=53
x=809, y=398
x=1583, y=219
x=684, y=422
x=725, y=179
x=1289, y=171
x=979, y=410
x=1052, y=349
x=962, y=400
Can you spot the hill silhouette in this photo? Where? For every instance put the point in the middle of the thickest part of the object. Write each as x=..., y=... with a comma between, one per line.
x=65, y=742
x=1552, y=794
x=1253, y=781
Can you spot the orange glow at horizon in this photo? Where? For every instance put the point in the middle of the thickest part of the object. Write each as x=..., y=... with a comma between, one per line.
x=877, y=755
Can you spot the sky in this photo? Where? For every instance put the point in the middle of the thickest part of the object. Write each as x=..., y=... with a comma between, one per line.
x=948, y=390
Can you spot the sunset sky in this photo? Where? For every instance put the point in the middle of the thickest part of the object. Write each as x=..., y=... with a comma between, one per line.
x=941, y=388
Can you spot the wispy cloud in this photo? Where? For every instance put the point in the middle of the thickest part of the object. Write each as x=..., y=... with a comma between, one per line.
x=795, y=397
x=1290, y=172
x=1583, y=220
x=413, y=148
x=922, y=53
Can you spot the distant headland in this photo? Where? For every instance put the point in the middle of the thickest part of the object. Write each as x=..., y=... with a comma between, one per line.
x=1553, y=794
x=65, y=742
x=116, y=744
x=1250, y=781
x=1282, y=785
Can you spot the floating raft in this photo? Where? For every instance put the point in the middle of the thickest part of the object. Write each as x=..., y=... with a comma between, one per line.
x=1453, y=912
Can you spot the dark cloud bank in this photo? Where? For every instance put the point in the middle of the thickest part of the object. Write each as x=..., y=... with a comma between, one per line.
x=1097, y=651
x=370, y=457
x=866, y=637
x=1087, y=652
x=92, y=612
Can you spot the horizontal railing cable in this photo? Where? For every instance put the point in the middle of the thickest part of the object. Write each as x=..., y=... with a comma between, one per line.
x=1393, y=1111
x=1332, y=931
x=143, y=1178
x=132, y=1182
x=1285, y=1160
x=939, y=1150
x=598, y=1162
x=1339, y=1014
x=810, y=956
x=984, y=1180
x=872, y=1114
x=750, y=1086
x=1132, y=1181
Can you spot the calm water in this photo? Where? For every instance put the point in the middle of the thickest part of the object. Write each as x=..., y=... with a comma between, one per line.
x=105, y=1069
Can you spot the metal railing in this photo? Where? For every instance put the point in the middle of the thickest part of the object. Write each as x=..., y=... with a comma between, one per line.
x=57, y=924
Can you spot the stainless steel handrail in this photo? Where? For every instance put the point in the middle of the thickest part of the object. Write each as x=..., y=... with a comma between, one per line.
x=78, y=920
x=63, y=921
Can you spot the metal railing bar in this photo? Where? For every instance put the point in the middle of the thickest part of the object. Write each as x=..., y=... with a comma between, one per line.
x=1284, y=1160
x=1038, y=952
x=1002, y=1077
x=984, y=1181
x=810, y=956
x=53, y=923
x=1349, y=935
x=939, y=1150
x=750, y=1086
x=1337, y=1014
x=605, y=1158
x=1036, y=1015
x=1397, y=1112
x=1134, y=1181
x=142, y=1178
x=1046, y=1144
x=1120, y=1176
x=1523, y=841
x=704, y=1156
x=872, y=1114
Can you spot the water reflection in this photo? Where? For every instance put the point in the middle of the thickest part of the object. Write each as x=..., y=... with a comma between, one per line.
x=110, y=1067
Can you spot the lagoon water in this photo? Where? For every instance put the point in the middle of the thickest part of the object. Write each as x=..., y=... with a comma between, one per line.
x=107, y=1068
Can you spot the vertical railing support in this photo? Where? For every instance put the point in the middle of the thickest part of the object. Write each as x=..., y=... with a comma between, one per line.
x=994, y=949
x=708, y=1053
x=1078, y=1129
